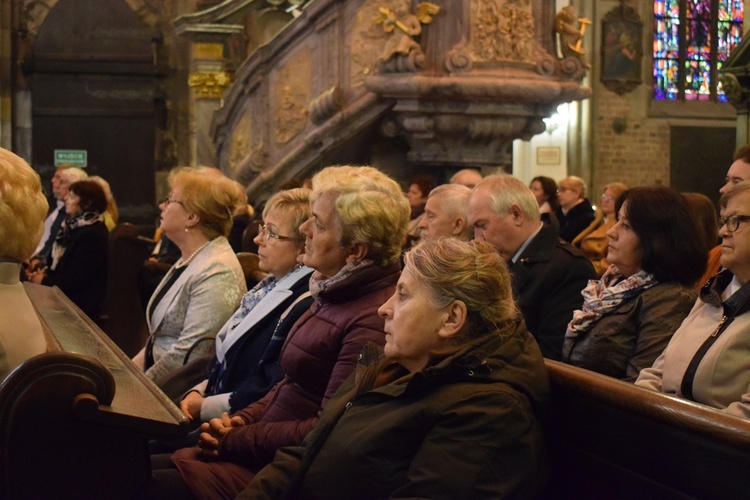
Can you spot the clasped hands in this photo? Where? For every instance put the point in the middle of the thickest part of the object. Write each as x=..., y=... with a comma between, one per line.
x=214, y=431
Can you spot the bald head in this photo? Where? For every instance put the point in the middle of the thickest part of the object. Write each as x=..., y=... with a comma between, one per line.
x=468, y=177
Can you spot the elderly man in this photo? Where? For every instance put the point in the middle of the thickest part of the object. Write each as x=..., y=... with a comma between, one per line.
x=738, y=171
x=548, y=273
x=468, y=177
x=445, y=213
x=61, y=181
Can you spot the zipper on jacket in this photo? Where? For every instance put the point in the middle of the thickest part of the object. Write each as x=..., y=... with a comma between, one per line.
x=686, y=388
x=721, y=324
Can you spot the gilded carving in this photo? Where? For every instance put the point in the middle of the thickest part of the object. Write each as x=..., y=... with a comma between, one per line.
x=403, y=27
x=292, y=98
x=571, y=35
x=240, y=144
x=502, y=30
x=367, y=39
x=209, y=85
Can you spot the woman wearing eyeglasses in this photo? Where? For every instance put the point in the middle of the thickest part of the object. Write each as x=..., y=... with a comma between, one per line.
x=707, y=359
x=629, y=315
x=353, y=241
x=593, y=241
x=204, y=287
x=247, y=347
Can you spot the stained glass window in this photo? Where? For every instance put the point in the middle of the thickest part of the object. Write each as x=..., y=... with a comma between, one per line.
x=692, y=39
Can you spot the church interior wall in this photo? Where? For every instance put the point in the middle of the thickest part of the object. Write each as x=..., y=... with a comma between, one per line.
x=610, y=138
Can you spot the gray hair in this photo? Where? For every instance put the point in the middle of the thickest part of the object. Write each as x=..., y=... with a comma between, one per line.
x=507, y=190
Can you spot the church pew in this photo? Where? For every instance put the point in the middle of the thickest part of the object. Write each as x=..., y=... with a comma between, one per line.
x=610, y=439
x=75, y=422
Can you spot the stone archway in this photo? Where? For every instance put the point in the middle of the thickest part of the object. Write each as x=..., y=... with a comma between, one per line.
x=35, y=13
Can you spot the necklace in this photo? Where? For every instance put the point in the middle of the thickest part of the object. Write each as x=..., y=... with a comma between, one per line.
x=187, y=261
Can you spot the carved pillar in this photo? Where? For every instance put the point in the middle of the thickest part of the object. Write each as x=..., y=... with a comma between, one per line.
x=208, y=79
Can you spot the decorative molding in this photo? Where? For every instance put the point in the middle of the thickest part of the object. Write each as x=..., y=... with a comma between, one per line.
x=209, y=85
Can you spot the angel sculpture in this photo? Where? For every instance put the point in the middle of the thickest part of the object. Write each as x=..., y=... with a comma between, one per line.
x=403, y=26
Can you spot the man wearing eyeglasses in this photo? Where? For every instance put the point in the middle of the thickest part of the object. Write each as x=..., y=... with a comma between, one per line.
x=738, y=171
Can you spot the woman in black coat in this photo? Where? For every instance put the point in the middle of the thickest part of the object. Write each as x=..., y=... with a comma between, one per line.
x=79, y=254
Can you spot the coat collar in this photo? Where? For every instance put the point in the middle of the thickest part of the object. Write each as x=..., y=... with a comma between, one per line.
x=227, y=337
x=217, y=247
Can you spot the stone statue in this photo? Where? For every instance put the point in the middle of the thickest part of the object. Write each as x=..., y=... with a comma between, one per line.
x=570, y=34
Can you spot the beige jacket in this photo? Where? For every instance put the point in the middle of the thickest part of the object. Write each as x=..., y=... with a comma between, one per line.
x=722, y=379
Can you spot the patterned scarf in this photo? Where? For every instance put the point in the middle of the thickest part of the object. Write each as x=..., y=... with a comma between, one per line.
x=319, y=284
x=251, y=299
x=81, y=219
x=603, y=296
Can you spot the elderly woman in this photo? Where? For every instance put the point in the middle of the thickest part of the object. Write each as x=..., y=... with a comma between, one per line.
x=79, y=254
x=630, y=314
x=22, y=211
x=593, y=241
x=545, y=192
x=707, y=359
x=204, y=287
x=244, y=368
x=446, y=410
x=575, y=212
x=353, y=241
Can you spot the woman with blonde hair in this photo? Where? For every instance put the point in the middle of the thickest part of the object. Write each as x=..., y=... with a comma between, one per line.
x=593, y=241
x=112, y=214
x=448, y=409
x=22, y=211
x=204, y=287
x=575, y=212
x=353, y=241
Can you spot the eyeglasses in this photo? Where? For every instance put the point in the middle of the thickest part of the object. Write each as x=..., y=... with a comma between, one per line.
x=562, y=189
x=168, y=200
x=732, y=222
x=266, y=232
x=606, y=197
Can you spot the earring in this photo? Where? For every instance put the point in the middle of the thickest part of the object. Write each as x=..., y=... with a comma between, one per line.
x=187, y=229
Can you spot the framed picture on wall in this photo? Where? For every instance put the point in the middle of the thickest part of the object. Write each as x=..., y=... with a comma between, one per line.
x=622, y=50
x=548, y=155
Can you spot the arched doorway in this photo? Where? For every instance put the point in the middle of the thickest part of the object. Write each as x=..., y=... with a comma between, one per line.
x=94, y=79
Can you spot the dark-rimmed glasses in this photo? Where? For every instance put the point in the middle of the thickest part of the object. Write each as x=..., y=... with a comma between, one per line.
x=267, y=232
x=732, y=222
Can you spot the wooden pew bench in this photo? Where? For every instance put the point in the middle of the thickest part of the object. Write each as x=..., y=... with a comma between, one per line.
x=609, y=439
x=75, y=422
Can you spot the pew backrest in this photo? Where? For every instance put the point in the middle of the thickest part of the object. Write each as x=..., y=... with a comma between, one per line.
x=611, y=439
x=75, y=421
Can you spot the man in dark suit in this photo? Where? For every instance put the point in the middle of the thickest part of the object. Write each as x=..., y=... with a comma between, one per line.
x=548, y=273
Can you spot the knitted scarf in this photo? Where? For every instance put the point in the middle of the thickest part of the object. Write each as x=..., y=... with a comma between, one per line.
x=603, y=296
